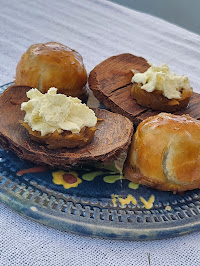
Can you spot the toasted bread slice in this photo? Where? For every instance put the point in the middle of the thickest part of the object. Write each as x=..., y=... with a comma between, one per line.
x=112, y=137
x=66, y=139
x=156, y=101
x=111, y=84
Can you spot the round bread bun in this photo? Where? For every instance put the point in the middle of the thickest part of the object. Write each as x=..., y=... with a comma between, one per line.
x=52, y=64
x=165, y=153
x=156, y=101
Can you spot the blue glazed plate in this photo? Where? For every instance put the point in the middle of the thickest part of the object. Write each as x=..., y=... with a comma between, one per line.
x=95, y=201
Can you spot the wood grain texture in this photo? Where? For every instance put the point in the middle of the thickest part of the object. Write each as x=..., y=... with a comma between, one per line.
x=112, y=137
x=111, y=84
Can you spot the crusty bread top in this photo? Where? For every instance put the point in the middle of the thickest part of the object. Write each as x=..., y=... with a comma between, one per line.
x=52, y=64
x=166, y=152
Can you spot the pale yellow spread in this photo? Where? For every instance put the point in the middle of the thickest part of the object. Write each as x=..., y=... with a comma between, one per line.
x=49, y=112
x=162, y=79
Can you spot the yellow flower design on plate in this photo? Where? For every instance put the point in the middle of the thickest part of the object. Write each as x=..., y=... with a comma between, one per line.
x=67, y=179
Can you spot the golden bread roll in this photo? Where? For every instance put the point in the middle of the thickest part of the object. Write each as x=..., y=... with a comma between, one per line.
x=53, y=64
x=165, y=153
x=156, y=101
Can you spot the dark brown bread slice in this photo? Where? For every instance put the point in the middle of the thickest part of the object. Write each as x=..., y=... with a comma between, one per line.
x=112, y=137
x=111, y=84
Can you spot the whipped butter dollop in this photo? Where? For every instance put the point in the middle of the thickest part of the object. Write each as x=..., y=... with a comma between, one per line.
x=161, y=78
x=49, y=112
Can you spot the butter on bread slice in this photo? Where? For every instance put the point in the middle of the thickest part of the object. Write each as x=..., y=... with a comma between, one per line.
x=111, y=84
x=112, y=137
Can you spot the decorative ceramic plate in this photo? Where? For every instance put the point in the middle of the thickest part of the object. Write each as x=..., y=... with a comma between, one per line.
x=95, y=201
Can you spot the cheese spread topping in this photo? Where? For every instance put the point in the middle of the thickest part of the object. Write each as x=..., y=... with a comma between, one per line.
x=49, y=112
x=161, y=78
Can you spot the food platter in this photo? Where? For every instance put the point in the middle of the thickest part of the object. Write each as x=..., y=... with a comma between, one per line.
x=95, y=200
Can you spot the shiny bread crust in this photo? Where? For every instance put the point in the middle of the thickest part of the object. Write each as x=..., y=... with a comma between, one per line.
x=165, y=153
x=53, y=64
x=156, y=101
